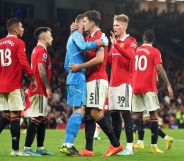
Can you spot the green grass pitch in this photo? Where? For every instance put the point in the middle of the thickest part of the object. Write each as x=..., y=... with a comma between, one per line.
x=54, y=138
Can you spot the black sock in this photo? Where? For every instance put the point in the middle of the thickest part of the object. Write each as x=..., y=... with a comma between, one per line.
x=106, y=126
x=15, y=132
x=4, y=120
x=41, y=133
x=90, y=126
x=134, y=127
x=31, y=132
x=161, y=133
x=137, y=123
x=141, y=131
x=128, y=126
x=107, y=114
x=116, y=123
x=154, y=131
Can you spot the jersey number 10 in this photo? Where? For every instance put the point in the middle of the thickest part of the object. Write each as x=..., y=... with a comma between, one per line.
x=141, y=62
x=5, y=56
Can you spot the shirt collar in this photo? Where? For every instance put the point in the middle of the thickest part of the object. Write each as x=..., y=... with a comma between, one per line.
x=146, y=45
x=41, y=44
x=11, y=35
x=123, y=38
x=93, y=33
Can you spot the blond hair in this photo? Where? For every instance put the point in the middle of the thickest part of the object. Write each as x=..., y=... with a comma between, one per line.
x=121, y=18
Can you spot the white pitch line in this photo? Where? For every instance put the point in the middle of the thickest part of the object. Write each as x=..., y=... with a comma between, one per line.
x=179, y=140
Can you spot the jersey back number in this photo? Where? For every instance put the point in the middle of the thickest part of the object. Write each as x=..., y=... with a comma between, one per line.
x=5, y=57
x=141, y=62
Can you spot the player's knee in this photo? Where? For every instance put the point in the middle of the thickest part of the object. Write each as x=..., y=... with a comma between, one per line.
x=153, y=115
x=137, y=115
x=146, y=119
x=15, y=113
x=37, y=119
x=6, y=113
x=96, y=113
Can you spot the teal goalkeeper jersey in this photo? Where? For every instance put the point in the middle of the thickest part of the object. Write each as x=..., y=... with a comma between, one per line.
x=75, y=48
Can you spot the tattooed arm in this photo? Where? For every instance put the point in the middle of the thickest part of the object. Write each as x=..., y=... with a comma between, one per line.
x=44, y=78
x=163, y=76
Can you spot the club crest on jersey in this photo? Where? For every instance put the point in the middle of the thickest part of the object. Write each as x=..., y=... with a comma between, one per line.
x=45, y=56
x=121, y=45
x=133, y=45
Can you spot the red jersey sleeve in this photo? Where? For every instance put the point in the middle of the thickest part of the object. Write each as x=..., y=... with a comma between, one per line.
x=109, y=56
x=23, y=58
x=42, y=57
x=157, y=57
x=129, y=52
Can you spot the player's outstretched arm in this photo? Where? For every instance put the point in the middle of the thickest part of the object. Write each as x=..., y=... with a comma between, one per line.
x=83, y=45
x=163, y=76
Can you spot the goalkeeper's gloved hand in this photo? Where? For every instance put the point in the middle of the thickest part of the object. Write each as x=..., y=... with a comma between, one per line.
x=103, y=41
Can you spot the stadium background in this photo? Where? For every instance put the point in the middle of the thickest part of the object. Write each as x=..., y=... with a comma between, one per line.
x=165, y=17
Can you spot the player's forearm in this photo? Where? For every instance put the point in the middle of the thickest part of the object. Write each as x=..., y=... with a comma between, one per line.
x=43, y=75
x=93, y=62
x=162, y=74
x=127, y=53
x=88, y=45
x=83, y=45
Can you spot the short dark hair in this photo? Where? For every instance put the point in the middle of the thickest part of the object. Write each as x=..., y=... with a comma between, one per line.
x=40, y=30
x=149, y=35
x=79, y=17
x=10, y=22
x=94, y=16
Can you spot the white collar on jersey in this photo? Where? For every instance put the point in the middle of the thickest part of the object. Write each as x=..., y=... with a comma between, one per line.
x=92, y=34
x=123, y=38
x=11, y=35
x=41, y=44
x=146, y=45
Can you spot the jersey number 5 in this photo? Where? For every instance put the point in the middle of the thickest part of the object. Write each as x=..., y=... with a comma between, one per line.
x=141, y=62
x=5, y=56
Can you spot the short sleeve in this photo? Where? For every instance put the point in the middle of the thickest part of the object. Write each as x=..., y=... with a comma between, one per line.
x=42, y=57
x=157, y=57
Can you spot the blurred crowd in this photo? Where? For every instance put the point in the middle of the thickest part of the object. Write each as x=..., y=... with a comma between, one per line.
x=168, y=28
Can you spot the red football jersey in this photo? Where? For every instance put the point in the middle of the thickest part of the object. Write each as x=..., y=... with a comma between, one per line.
x=39, y=55
x=98, y=71
x=13, y=61
x=144, y=69
x=120, y=57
